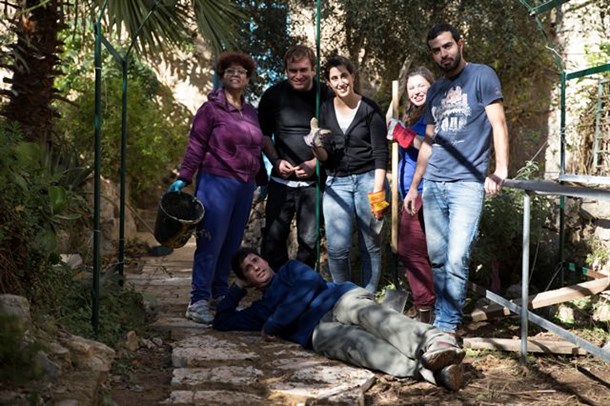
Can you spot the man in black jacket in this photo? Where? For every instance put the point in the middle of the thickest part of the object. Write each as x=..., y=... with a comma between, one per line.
x=284, y=113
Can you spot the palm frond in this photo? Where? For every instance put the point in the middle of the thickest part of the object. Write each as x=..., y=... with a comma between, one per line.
x=218, y=20
x=158, y=25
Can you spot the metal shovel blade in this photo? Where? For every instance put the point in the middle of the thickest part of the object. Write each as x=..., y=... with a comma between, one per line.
x=395, y=299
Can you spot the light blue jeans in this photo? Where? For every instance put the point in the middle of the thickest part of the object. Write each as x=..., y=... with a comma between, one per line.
x=346, y=198
x=451, y=216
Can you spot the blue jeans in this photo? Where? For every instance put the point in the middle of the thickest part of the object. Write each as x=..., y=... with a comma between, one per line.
x=451, y=216
x=227, y=204
x=344, y=198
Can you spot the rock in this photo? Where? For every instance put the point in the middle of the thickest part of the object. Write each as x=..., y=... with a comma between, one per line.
x=131, y=343
x=602, y=312
x=565, y=314
x=213, y=397
x=198, y=377
x=109, y=216
x=89, y=354
x=330, y=384
x=67, y=402
x=50, y=368
x=16, y=306
x=197, y=351
x=73, y=261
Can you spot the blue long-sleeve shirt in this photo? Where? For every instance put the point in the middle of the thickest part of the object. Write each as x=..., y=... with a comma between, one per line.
x=408, y=161
x=291, y=307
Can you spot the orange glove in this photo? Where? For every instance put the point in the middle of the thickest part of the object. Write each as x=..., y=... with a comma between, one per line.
x=378, y=203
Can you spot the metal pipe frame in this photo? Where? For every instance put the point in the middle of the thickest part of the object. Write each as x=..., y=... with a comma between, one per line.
x=544, y=187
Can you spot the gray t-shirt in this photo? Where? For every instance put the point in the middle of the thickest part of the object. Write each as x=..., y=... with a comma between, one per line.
x=463, y=133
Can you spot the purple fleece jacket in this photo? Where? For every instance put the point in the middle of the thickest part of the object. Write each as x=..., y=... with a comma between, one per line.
x=223, y=141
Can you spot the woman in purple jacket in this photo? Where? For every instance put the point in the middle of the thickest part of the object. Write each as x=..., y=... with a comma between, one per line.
x=224, y=149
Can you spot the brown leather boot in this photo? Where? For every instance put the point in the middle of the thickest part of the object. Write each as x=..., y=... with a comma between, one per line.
x=451, y=377
x=440, y=354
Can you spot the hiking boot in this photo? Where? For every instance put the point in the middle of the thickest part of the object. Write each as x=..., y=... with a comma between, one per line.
x=440, y=354
x=200, y=312
x=451, y=377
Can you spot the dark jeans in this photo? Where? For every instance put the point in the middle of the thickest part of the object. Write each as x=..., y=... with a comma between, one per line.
x=283, y=203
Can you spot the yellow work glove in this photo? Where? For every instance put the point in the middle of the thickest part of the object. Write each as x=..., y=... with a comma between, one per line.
x=378, y=203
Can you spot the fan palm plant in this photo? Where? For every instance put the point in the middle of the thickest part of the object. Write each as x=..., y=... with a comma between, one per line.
x=34, y=25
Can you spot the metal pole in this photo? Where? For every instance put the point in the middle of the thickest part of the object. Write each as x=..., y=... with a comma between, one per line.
x=96, y=179
x=562, y=162
x=525, y=267
x=99, y=40
x=318, y=194
x=121, y=259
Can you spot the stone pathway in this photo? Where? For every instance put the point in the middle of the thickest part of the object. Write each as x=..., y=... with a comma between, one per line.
x=237, y=368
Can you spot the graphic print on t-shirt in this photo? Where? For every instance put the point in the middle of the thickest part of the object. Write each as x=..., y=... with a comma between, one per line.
x=451, y=116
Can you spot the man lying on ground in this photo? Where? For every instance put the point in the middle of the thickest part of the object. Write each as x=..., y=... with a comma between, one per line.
x=338, y=320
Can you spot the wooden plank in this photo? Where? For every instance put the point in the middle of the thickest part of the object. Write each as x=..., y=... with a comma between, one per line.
x=594, y=274
x=539, y=300
x=514, y=345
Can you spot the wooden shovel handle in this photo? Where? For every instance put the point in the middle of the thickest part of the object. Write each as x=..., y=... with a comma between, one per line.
x=393, y=113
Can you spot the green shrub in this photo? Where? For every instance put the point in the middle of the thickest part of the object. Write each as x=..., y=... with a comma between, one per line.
x=121, y=308
x=156, y=129
x=500, y=240
x=17, y=353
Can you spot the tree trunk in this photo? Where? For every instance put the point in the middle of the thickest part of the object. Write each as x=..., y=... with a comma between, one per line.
x=34, y=70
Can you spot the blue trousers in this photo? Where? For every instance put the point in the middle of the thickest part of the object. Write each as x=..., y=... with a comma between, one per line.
x=346, y=199
x=452, y=211
x=227, y=204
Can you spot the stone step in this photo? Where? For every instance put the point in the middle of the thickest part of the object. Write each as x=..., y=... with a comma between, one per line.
x=175, y=281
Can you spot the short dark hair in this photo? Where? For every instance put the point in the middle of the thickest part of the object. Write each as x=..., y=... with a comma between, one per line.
x=239, y=257
x=298, y=52
x=338, y=60
x=438, y=29
x=226, y=59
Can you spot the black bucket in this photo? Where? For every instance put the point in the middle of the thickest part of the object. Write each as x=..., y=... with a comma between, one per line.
x=178, y=215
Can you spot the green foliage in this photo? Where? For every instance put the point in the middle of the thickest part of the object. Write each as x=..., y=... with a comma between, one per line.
x=501, y=233
x=499, y=33
x=598, y=255
x=38, y=196
x=17, y=352
x=121, y=308
x=265, y=36
x=156, y=124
